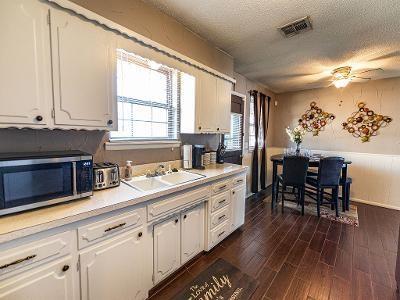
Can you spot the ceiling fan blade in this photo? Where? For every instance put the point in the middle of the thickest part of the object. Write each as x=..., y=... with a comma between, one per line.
x=366, y=78
x=386, y=56
x=366, y=71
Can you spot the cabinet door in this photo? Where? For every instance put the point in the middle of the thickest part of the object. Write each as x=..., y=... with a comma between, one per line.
x=166, y=248
x=224, y=106
x=119, y=268
x=84, y=62
x=48, y=282
x=192, y=233
x=238, y=198
x=206, y=103
x=25, y=72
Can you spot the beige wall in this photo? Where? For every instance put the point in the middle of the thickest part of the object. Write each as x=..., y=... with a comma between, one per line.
x=152, y=23
x=382, y=96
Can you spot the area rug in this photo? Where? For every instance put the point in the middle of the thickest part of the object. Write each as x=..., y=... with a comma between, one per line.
x=220, y=281
x=349, y=217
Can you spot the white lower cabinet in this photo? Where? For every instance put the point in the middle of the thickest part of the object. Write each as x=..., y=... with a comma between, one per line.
x=238, y=196
x=192, y=233
x=119, y=268
x=177, y=240
x=166, y=248
x=51, y=281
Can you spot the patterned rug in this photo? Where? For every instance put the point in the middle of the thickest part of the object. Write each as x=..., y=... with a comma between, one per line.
x=349, y=217
x=219, y=281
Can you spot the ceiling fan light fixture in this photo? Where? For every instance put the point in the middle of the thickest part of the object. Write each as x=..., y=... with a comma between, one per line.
x=341, y=83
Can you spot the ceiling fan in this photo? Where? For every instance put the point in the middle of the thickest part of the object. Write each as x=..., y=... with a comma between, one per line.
x=343, y=75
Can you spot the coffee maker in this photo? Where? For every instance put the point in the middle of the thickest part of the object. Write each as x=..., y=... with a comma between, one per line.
x=198, y=157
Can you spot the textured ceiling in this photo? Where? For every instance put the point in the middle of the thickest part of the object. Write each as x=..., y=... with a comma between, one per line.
x=361, y=33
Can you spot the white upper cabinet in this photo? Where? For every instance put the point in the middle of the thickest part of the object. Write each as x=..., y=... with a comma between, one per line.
x=205, y=104
x=83, y=71
x=25, y=61
x=224, y=89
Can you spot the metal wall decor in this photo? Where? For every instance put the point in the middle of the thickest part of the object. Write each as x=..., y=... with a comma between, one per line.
x=315, y=119
x=365, y=123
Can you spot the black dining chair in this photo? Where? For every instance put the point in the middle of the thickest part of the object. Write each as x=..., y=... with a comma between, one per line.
x=294, y=175
x=328, y=177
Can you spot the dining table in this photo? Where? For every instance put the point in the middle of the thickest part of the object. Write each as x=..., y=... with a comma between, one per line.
x=313, y=163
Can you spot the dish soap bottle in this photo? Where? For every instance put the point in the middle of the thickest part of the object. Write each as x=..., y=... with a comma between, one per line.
x=128, y=170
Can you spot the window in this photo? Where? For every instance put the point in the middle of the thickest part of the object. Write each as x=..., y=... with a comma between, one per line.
x=233, y=141
x=148, y=100
x=252, y=128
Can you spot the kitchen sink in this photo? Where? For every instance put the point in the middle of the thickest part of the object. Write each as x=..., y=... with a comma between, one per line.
x=180, y=177
x=145, y=184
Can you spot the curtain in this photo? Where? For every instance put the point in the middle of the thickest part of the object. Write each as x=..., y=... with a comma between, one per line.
x=265, y=102
x=254, y=166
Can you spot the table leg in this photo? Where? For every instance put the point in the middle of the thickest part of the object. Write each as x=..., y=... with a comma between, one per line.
x=274, y=179
x=344, y=186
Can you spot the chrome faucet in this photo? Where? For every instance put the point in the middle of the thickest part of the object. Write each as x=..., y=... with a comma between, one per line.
x=160, y=170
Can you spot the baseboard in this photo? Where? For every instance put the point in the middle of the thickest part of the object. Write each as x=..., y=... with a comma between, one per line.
x=375, y=203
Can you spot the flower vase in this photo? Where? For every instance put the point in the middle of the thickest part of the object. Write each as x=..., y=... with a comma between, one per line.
x=298, y=148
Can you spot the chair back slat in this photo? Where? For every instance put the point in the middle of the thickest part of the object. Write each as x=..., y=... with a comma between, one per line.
x=329, y=171
x=295, y=170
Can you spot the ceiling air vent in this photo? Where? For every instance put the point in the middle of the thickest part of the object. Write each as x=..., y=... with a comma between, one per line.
x=296, y=27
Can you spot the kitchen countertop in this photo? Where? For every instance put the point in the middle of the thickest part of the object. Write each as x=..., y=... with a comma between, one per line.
x=31, y=222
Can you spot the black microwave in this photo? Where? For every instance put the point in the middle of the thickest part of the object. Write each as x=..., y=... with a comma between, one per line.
x=31, y=180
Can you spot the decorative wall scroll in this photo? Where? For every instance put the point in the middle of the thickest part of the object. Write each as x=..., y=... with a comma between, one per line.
x=365, y=123
x=315, y=119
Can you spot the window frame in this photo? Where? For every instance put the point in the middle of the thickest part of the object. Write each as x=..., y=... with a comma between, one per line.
x=250, y=146
x=121, y=143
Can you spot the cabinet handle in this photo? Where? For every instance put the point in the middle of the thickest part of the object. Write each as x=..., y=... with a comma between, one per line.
x=233, y=192
x=217, y=129
x=140, y=234
x=176, y=220
x=221, y=217
x=222, y=187
x=39, y=118
x=185, y=216
x=222, y=201
x=115, y=227
x=110, y=122
x=239, y=181
x=65, y=268
x=221, y=233
x=18, y=261
x=199, y=127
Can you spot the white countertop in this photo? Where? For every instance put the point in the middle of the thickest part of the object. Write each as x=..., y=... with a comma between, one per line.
x=30, y=222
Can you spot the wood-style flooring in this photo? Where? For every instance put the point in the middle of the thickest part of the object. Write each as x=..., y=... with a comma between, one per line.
x=303, y=257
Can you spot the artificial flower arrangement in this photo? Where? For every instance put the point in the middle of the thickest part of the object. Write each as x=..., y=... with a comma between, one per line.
x=296, y=135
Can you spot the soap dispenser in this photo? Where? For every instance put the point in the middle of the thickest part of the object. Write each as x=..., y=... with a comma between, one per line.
x=128, y=170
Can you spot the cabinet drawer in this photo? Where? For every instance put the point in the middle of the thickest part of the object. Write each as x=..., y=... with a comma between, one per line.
x=239, y=180
x=220, y=201
x=219, y=233
x=219, y=217
x=97, y=231
x=29, y=255
x=162, y=207
x=221, y=186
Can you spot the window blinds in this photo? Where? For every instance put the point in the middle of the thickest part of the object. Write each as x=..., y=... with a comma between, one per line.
x=148, y=99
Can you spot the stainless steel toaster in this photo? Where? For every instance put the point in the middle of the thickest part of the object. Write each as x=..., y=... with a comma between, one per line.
x=105, y=175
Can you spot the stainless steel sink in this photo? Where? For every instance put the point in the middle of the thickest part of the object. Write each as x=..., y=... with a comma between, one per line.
x=145, y=184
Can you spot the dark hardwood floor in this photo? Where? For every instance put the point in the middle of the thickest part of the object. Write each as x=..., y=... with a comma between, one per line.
x=295, y=257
